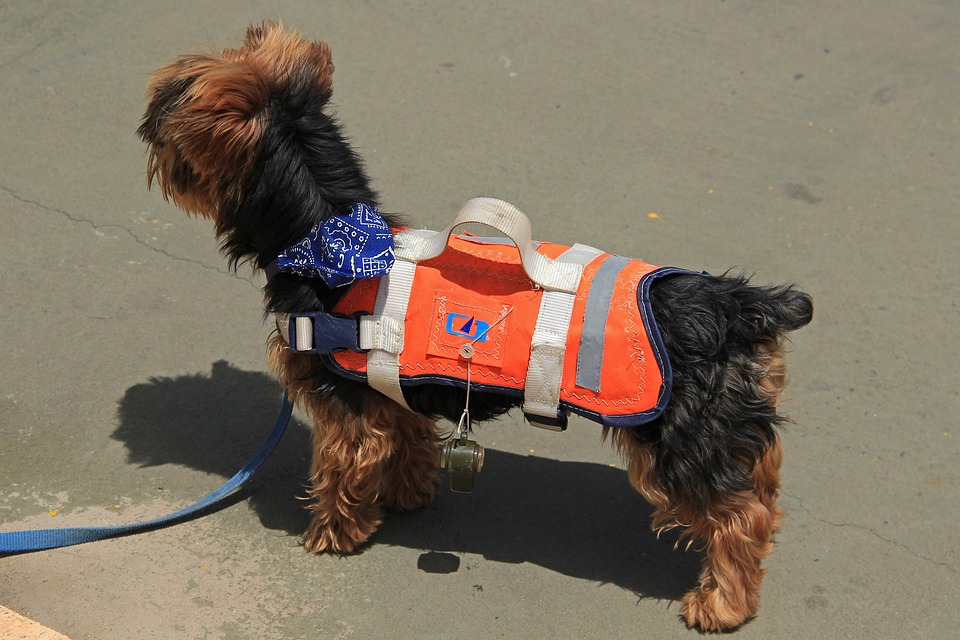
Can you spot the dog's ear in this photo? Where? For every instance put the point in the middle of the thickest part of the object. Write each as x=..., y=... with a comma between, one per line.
x=283, y=55
x=165, y=90
x=166, y=165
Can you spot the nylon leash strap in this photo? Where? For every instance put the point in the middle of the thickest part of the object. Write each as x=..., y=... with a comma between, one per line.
x=42, y=539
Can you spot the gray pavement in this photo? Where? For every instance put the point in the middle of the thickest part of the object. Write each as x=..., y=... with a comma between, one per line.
x=815, y=142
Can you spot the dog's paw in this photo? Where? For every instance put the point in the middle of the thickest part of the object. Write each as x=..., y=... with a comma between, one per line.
x=708, y=610
x=340, y=535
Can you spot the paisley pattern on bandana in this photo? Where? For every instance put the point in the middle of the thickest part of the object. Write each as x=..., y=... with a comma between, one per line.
x=342, y=249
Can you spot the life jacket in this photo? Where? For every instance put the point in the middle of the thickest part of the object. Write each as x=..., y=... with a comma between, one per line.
x=474, y=314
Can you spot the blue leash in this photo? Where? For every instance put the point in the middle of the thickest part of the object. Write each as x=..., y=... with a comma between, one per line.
x=42, y=539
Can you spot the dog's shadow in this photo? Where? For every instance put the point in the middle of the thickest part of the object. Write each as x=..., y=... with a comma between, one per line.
x=579, y=519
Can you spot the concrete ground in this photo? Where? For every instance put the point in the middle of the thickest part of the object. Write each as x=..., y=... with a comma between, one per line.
x=815, y=142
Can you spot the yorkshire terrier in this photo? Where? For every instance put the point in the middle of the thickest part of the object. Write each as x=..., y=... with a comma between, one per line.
x=246, y=139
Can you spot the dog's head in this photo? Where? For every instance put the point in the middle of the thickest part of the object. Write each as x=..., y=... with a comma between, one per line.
x=208, y=115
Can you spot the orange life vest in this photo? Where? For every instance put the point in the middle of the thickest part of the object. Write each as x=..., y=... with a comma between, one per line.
x=615, y=370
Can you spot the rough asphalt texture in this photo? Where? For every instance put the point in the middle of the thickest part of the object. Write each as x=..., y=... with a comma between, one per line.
x=815, y=142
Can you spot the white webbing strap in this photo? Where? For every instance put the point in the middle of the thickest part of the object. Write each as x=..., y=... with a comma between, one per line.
x=384, y=331
x=541, y=394
x=381, y=332
x=553, y=275
x=302, y=325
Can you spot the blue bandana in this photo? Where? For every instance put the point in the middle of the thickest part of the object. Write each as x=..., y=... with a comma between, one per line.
x=341, y=250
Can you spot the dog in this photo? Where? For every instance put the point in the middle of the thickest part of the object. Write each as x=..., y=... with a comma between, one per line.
x=246, y=139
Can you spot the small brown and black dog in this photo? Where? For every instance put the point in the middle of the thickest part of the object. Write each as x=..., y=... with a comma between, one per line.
x=245, y=138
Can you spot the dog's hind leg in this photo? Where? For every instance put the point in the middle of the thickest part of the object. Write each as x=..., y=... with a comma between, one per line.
x=735, y=532
x=766, y=477
x=410, y=478
x=773, y=380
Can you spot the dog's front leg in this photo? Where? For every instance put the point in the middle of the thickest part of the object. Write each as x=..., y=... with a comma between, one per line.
x=351, y=442
x=350, y=447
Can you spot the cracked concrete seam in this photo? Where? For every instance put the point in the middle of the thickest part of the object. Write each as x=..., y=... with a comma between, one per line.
x=860, y=527
x=131, y=234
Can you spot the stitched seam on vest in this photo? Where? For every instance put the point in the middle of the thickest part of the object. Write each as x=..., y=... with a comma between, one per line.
x=638, y=356
x=610, y=403
x=461, y=370
x=492, y=253
x=438, y=327
x=438, y=323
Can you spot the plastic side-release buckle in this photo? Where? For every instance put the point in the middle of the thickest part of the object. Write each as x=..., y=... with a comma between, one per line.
x=319, y=332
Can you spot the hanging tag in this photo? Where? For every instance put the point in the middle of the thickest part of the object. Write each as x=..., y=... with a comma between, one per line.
x=462, y=457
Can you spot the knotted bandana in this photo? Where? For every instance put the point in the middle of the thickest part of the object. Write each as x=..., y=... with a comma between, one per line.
x=341, y=249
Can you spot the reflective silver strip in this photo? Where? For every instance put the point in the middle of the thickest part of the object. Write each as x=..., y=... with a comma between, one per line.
x=590, y=353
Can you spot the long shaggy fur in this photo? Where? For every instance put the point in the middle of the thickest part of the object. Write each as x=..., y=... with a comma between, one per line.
x=245, y=138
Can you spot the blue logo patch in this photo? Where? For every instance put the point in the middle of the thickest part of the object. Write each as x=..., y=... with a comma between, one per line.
x=459, y=324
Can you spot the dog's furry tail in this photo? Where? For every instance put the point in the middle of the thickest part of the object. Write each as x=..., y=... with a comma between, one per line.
x=775, y=311
x=701, y=316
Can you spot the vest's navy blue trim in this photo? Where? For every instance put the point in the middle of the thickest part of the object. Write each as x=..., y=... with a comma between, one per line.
x=413, y=381
x=656, y=342
x=659, y=352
